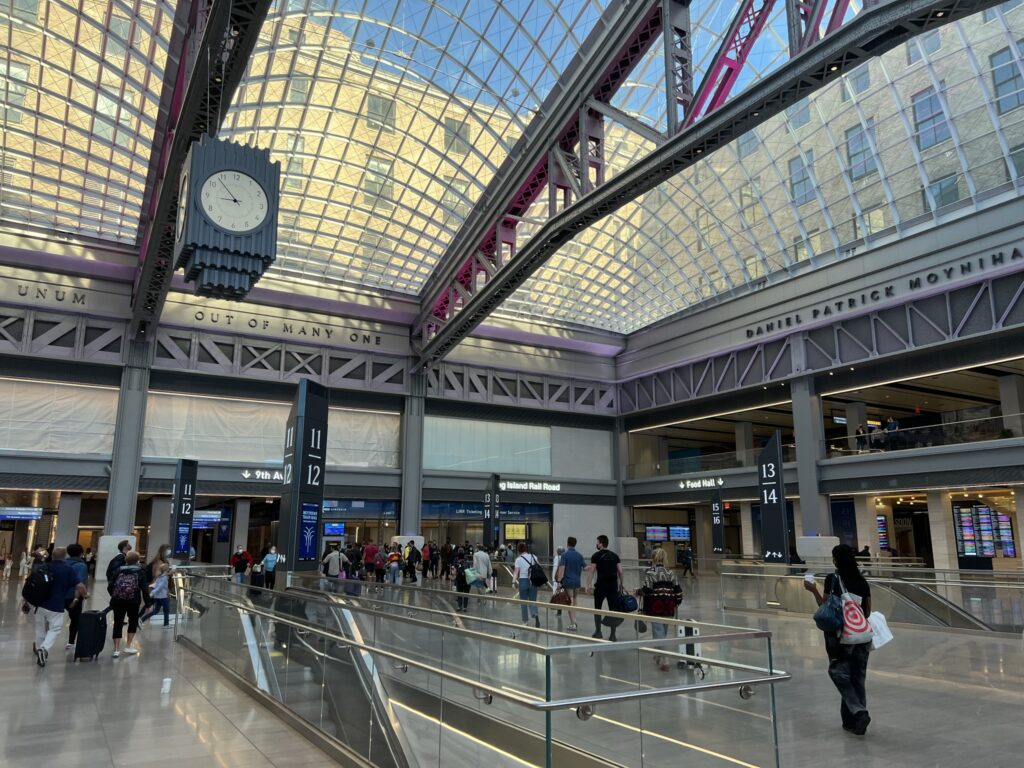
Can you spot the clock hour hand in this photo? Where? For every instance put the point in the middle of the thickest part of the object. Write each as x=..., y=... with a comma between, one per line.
x=233, y=198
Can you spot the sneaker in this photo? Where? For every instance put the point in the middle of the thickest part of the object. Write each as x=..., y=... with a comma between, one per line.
x=572, y=627
x=597, y=635
x=41, y=655
x=526, y=623
x=131, y=651
x=116, y=654
x=69, y=646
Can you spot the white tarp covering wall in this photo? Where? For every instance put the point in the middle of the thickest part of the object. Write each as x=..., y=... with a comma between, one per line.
x=220, y=429
x=471, y=445
x=57, y=418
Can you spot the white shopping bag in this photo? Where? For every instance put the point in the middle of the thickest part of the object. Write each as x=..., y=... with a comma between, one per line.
x=880, y=629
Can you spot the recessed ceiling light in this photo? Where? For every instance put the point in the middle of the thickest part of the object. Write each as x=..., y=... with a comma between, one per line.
x=833, y=68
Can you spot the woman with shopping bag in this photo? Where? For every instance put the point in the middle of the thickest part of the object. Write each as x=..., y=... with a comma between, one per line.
x=847, y=633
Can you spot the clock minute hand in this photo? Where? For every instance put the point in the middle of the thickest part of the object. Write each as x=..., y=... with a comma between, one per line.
x=234, y=199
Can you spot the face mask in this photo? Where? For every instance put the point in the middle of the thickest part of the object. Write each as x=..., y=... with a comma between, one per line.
x=168, y=552
x=273, y=551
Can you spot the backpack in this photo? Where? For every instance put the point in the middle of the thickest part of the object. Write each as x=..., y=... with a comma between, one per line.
x=126, y=586
x=38, y=586
x=662, y=599
x=379, y=561
x=537, y=576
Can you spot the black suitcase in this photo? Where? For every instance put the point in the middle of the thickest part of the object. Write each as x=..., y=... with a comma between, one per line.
x=256, y=579
x=92, y=634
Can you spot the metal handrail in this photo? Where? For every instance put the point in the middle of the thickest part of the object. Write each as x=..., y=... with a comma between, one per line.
x=530, y=703
x=894, y=580
x=589, y=648
x=552, y=607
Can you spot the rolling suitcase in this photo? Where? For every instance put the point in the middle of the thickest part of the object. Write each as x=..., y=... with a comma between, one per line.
x=256, y=579
x=92, y=634
x=691, y=649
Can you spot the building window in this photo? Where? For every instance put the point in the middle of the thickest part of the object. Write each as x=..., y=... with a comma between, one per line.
x=1007, y=81
x=22, y=10
x=750, y=194
x=799, y=114
x=746, y=144
x=929, y=120
x=380, y=112
x=873, y=221
x=703, y=228
x=454, y=199
x=859, y=157
x=296, y=172
x=801, y=186
x=1017, y=161
x=13, y=87
x=118, y=37
x=944, y=192
x=7, y=168
x=377, y=184
x=990, y=13
x=298, y=90
x=106, y=111
x=928, y=43
x=456, y=136
x=804, y=248
x=857, y=82
x=755, y=267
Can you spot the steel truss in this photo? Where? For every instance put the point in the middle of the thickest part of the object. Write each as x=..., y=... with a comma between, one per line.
x=220, y=39
x=460, y=297
x=990, y=306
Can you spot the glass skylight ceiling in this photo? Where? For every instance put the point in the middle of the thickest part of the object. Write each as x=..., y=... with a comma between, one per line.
x=932, y=130
x=390, y=117
x=80, y=86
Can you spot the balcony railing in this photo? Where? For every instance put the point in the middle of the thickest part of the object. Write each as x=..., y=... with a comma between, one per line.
x=705, y=462
x=947, y=433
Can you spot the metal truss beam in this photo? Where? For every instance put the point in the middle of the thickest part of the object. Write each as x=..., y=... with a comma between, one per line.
x=870, y=34
x=468, y=383
x=955, y=315
x=220, y=40
x=639, y=127
x=624, y=33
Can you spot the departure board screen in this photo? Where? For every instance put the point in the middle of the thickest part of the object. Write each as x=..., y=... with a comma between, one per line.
x=1004, y=526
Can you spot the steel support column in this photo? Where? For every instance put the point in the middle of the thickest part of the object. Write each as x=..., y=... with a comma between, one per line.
x=412, y=457
x=678, y=60
x=809, y=433
x=129, y=425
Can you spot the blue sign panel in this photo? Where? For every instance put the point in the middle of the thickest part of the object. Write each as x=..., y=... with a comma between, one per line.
x=181, y=539
x=360, y=508
x=21, y=513
x=309, y=521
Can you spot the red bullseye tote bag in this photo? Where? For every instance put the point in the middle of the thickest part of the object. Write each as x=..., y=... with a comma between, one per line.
x=856, y=629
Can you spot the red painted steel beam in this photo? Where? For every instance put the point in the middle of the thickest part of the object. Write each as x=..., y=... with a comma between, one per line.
x=616, y=73
x=731, y=57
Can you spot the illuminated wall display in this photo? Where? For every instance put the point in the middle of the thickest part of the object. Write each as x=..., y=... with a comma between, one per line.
x=882, y=526
x=982, y=532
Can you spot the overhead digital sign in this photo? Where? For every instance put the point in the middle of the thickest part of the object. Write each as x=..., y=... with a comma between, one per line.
x=21, y=513
x=656, y=533
x=679, y=532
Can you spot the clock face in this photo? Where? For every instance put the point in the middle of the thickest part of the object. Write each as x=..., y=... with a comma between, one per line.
x=234, y=201
x=182, y=206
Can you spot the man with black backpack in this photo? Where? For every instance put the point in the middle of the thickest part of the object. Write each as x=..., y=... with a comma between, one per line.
x=47, y=589
x=123, y=547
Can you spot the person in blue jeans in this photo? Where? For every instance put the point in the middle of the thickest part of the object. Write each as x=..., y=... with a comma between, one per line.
x=570, y=576
x=527, y=591
x=269, y=562
x=161, y=598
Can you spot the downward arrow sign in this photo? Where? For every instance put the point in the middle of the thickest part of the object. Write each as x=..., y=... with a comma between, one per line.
x=721, y=481
x=246, y=474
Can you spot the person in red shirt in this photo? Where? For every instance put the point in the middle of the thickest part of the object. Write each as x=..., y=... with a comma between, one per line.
x=240, y=563
x=369, y=556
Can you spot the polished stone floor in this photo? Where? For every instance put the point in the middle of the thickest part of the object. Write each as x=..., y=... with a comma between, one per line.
x=112, y=713
x=937, y=699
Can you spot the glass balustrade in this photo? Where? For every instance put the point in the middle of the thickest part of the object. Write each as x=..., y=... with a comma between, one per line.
x=704, y=462
x=396, y=677
x=947, y=433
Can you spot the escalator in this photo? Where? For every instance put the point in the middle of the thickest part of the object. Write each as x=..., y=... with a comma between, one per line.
x=946, y=612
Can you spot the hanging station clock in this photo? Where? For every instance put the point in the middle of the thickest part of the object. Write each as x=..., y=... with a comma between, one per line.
x=226, y=234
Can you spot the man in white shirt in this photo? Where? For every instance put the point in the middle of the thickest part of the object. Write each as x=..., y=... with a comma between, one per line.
x=482, y=566
x=334, y=560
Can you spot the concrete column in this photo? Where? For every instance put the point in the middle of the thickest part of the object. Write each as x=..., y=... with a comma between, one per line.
x=856, y=414
x=412, y=457
x=620, y=460
x=1011, y=397
x=940, y=522
x=745, y=443
x=159, y=521
x=69, y=511
x=809, y=433
x=127, y=458
x=867, y=531
x=240, y=524
x=746, y=529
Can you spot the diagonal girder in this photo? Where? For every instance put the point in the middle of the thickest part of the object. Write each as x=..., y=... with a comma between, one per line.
x=624, y=33
x=870, y=34
x=220, y=37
